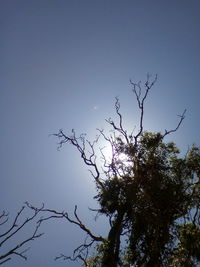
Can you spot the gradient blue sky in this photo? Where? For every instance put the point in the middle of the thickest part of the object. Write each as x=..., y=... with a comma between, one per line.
x=61, y=65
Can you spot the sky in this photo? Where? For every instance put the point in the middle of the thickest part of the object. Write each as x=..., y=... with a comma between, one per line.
x=62, y=63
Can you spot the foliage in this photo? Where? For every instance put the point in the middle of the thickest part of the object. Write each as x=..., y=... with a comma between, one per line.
x=151, y=197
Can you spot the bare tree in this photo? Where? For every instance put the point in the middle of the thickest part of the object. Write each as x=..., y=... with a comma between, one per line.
x=14, y=228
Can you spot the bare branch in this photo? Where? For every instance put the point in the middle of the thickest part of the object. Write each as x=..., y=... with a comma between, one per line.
x=80, y=143
x=12, y=231
x=4, y=261
x=182, y=117
x=119, y=128
x=78, y=222
x=137, y=90
x=4, y=217
x=13, y=225
x=81, y=252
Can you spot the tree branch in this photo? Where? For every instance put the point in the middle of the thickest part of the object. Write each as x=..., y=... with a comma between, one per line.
x=137, y=90
x=14, y=229
x=119, y=128
x=80, y=144
x=182, y=117
x=81, y=252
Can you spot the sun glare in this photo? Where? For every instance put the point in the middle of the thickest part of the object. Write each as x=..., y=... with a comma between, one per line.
x=123, y=158
x=107, y=154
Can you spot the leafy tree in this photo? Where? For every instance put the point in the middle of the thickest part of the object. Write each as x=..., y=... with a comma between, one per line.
x=151, y=196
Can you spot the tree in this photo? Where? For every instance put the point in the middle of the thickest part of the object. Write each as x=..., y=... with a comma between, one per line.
x=151, y=195
x=11, y=230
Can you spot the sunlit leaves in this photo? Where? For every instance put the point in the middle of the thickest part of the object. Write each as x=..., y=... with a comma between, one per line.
x=156, y=190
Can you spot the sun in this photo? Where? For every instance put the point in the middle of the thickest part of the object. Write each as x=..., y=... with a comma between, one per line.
x=124, y=159
x=109, y=155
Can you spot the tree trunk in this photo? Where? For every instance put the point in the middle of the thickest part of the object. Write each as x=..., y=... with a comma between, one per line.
x=111, y=254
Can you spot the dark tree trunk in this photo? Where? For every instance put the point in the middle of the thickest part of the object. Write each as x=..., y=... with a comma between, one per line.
x=111, y=254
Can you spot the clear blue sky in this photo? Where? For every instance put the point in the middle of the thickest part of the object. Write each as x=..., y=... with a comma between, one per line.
x=61, y=65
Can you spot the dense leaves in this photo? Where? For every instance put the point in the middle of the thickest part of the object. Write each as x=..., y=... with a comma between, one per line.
x=158, y=195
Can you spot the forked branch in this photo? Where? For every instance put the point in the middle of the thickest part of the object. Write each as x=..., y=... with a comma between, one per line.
x=81, y=252
x=13, y=230
x=81, y=144
x=137, y=90
x=182, y=117
x=119, y=128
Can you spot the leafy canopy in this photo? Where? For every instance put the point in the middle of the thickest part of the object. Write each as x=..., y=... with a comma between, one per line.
x=152, y=203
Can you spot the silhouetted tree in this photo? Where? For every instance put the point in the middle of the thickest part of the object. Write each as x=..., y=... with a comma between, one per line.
x=151, y=196
x=11, y=230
